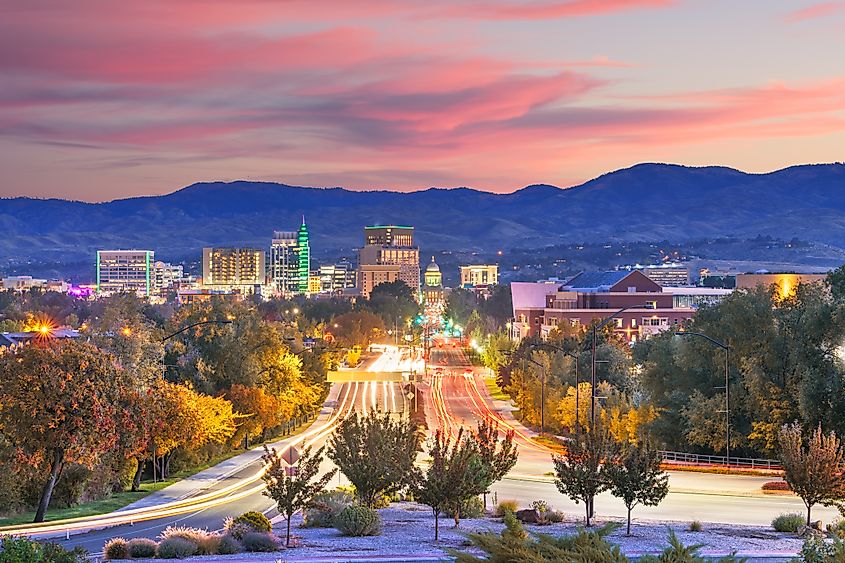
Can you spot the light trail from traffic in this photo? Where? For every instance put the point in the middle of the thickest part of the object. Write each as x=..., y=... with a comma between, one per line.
x=228, y=494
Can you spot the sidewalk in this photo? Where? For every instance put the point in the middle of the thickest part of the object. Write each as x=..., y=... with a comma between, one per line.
x=206, y=479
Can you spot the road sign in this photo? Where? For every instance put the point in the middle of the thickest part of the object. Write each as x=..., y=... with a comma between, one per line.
x=410, y=395
x=290, y=455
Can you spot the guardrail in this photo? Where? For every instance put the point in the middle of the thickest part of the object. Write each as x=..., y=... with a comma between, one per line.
x=701, y=459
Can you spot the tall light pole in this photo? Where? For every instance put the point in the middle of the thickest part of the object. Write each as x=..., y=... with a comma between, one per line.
x=727, y=349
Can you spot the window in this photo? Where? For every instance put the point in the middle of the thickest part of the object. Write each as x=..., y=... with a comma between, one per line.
x=651, y=304
x=633, y=323
x=618, y=323
x=575, y=322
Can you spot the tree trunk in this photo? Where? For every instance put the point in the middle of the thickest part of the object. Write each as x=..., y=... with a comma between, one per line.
x=629, y=522
x=809, y=508
x=587, y=508
x=47, y=492
x=457, y=515
x=287, y=538
x=436, y=525
x=136, y=480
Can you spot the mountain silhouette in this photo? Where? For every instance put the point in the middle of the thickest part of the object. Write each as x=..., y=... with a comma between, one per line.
x=647, y=202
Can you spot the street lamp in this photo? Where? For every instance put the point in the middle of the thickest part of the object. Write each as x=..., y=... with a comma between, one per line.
x=726, y=348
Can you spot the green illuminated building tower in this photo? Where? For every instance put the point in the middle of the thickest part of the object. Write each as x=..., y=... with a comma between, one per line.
x=303, y=255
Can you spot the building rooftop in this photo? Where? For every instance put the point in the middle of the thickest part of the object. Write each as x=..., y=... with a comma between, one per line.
x=597, y=280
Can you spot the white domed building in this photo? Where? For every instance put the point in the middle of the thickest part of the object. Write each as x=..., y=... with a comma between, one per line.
x=433, y=286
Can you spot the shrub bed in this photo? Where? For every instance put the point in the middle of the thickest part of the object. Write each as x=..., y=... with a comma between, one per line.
x=788, y=522
x=356, y=520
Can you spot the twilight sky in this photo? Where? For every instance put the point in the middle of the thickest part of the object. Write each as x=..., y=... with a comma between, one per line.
x=103, y=99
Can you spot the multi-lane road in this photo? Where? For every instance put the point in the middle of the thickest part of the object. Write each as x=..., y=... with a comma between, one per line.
x=235, y=486
x=459, y=398
x=456, y=397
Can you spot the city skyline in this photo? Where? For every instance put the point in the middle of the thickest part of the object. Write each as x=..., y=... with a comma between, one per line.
x=108, y=101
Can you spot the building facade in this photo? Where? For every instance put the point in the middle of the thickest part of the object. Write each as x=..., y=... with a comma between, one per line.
x=390, y=246
x=540, y=308
x=371, y=275
x=166, y=277
x=289, y=261
x=432, y=291
x=240, y=269
x=335, y=278
x=125, y=271
x=668, y=276
x=476, y=275
x=785, y=284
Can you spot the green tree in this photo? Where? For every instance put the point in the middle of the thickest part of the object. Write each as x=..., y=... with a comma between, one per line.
x=497, y=456
x=61, y=402
x=394, y=302
x=376, y=452
x=455, y=474
x=815, y=471
x=293, y=488
x=637, y=478
x=584, y=470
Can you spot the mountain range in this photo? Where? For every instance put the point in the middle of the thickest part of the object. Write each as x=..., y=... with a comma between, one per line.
x=647, y=202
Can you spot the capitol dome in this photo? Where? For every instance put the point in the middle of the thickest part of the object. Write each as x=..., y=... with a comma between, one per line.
x=433, y=267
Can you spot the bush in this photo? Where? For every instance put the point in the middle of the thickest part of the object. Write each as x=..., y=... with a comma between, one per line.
x=357, y=520
x=788, y=522
x=695, y=526
x=237, y=529
x=258, y=521
x=472, y=507
x=175, y=548
x=116, y=548
x=505, y=506
x=260, y=541
x=54, y=553
x=776, y=486
x=837, y=529
x=193, y=535
x=209, y=545
x=25, y=550
x=229, y=545
x=141, y=548
x=324, y=507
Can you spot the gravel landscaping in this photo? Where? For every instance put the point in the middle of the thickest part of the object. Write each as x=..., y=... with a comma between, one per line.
x=408, y=530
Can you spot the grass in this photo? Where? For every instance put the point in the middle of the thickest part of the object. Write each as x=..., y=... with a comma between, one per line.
x=550, y=442
x=495, y=391
x=715, y=469
x=118, y=500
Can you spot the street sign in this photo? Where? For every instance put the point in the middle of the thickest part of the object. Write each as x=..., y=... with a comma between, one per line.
x=410, y=395
x=290, y=455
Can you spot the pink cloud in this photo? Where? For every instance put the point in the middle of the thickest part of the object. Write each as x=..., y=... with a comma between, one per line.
x=540, y=10
x=815, y=11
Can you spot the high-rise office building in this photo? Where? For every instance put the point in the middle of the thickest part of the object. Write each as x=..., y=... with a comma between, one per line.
x=122, y=271
x=303, y=255
x=166, y=276
x=389, y=246
x=337, y=277
x=289, y=261
x=240, y=269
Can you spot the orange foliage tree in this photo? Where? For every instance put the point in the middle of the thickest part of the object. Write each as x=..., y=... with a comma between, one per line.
x=61, y=401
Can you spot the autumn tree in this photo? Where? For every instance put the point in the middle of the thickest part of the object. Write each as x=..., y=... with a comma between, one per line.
x=376, y=452
x=637, y=478
x=258, y=410
x=60, y=403
x=497, y=456
x=455, y=474
x=815, y=471
x=583, y=471
x=293, y=487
